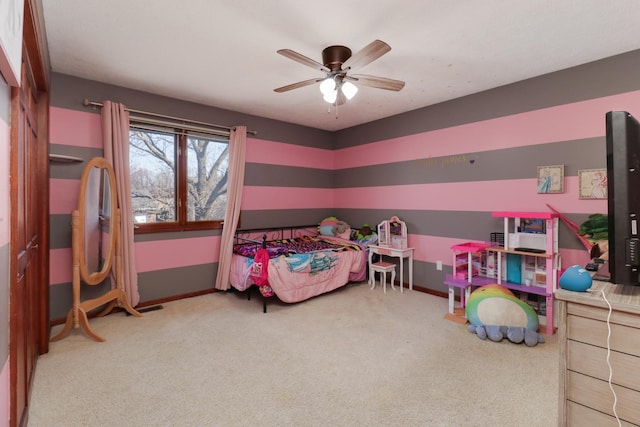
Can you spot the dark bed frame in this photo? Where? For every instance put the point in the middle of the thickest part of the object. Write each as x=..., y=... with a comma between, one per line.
x=270, y=233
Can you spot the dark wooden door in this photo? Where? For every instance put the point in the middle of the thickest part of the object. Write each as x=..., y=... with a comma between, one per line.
x=25, y=241
x=29, y=299
x=29, y=181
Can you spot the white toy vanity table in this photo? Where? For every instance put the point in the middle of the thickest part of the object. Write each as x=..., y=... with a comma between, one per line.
x=392, y=242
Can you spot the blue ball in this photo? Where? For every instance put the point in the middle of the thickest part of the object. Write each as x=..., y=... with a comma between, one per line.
x=576, y=278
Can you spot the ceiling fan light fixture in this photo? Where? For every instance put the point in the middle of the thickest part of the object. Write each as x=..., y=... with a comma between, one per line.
x=327, y=86
x=331, y=96
x=349, y=89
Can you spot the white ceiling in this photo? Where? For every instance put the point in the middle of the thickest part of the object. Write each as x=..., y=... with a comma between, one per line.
x=223, y=52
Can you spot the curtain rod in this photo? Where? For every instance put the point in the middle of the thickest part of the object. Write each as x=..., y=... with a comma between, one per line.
x=88, y=103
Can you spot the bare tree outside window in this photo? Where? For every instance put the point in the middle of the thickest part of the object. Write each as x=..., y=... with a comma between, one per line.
x=207, y=163
x=161, y=193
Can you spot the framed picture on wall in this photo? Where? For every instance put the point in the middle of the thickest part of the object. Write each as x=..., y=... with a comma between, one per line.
x=551, y=179
x=592, y=184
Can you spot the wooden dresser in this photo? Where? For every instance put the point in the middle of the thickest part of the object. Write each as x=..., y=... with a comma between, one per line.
x=585, y=396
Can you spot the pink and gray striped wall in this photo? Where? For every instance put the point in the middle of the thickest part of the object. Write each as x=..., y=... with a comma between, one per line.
x=443, y=169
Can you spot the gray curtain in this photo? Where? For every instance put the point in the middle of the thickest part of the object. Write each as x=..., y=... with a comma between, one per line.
x=115, y=133
x=235, y=182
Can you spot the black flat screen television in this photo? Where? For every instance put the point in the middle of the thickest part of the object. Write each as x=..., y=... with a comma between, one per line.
x=623, y=193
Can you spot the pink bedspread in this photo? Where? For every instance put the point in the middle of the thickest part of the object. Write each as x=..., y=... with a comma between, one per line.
x=299, y=277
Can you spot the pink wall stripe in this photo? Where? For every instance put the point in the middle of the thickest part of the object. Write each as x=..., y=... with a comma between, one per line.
x=565, y=122
x=150, y=256
x=433, y=248
x=277, y=153
x=63, y=195
x=571, y=257
x=259, y=198
x=4, y=394
x=78, y=128
x=165, y=254
x=507, y=195
x=5, y=211
x=60, y=265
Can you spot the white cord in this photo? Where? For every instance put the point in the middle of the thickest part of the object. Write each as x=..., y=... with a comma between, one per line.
x=615, y=397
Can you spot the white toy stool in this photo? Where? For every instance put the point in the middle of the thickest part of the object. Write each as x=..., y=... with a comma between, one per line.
x=382, y=268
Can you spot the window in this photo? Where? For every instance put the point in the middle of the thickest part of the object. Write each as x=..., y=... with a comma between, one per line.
x=178, y=178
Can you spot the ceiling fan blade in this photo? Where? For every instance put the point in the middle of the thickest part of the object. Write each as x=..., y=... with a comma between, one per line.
x=366, y=55
x=297, y=85
x=377, y=82
x=288, y=53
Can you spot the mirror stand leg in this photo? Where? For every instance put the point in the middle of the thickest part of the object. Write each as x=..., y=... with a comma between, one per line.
x=67, y=327
x=123, y=302
x=108, y=309
x=84, y=324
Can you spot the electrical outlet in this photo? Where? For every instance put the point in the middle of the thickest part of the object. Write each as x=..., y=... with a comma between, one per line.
x=438, y=265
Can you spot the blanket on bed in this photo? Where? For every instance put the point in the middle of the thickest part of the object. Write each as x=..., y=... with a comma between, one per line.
x=301, y=267
x=298, y=245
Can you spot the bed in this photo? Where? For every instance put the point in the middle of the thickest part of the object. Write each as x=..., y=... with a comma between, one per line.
x=302, y=264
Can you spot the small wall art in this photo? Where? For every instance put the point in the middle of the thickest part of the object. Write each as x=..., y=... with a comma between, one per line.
x=551, y=179
x=592, y=183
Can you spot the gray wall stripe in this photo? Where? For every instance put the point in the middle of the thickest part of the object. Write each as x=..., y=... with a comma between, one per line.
x=161, y=284
x=509, y=163
x=287, y=176
x=168, y=283
x=60, y=231
x=61, y=297
x=596, y=79
x=151, y=285
x=63, y=170
x=462, y=225
x=283, y=217
x=69, y=92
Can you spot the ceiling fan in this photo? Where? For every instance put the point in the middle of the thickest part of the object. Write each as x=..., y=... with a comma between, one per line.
x=337, y=61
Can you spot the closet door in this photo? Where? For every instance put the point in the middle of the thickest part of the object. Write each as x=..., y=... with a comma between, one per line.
x=25, y=243
x=29, y=264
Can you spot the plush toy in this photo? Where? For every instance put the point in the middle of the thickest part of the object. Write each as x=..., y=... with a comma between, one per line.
x=364, y=231
x=341, y=229
x=494, y=312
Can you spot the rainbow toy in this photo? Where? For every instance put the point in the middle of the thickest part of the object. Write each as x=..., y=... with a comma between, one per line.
x=494, y=312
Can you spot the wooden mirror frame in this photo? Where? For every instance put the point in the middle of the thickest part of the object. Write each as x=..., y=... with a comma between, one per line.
x=102, y=166
x=78, y=315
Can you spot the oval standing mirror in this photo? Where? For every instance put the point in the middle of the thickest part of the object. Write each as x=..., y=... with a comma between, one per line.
x=95, y=251
x=96, y=205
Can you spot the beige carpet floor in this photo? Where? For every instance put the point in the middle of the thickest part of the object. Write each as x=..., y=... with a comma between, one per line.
x=354, y=357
